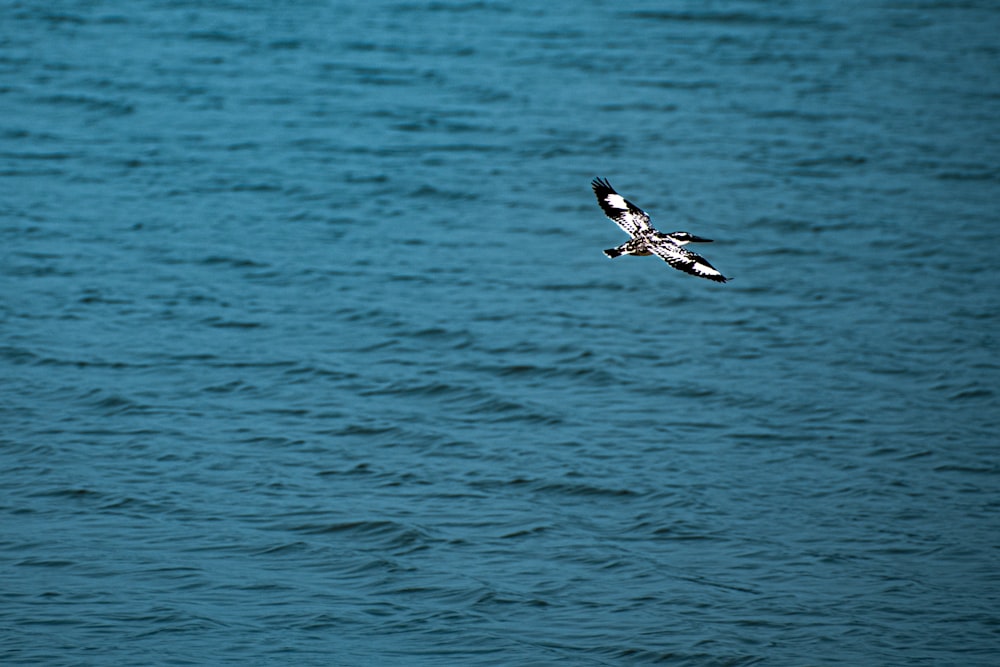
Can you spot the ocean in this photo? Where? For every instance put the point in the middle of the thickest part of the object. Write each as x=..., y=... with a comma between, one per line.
x=309, y=354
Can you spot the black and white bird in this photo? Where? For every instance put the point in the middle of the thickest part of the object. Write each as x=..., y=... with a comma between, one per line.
x=646, y=240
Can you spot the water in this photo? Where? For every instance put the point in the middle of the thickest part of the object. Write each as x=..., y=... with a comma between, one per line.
x=310, y=354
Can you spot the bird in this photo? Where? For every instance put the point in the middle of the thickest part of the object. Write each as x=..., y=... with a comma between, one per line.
x=647, y=240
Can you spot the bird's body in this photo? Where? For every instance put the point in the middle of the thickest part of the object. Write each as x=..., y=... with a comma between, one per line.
x=646, y=240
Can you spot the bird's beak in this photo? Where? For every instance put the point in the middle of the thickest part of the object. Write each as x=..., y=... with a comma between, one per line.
x=699, y=239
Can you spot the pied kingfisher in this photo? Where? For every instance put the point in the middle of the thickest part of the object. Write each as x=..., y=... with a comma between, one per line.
x=646, y=240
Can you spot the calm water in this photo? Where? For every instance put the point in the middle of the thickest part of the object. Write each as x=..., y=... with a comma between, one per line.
x=310, y=355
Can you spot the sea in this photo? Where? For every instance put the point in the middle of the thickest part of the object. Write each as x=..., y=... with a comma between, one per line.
x=310, y=355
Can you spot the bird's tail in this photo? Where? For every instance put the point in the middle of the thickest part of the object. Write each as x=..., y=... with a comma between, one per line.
x=612, y=252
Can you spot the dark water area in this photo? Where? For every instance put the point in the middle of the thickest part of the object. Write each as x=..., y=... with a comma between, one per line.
x=309, y=354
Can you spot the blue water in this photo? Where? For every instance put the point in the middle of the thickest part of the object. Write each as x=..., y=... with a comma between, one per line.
x=310, y=355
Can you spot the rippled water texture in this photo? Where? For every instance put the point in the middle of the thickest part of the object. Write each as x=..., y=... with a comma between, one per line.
x=310, y=355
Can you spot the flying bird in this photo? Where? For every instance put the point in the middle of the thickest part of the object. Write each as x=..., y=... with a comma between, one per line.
x=647, y=240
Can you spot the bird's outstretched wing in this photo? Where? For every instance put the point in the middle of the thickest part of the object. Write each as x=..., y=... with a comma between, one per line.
x=626, y=215
x=683, y=259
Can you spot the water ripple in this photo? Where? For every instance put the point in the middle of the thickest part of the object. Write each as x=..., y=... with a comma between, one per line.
x=311, y=355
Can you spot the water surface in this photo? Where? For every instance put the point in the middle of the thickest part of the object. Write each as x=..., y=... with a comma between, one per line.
x=310, y=354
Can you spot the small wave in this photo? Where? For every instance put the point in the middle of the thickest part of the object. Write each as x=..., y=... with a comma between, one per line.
x=216, y=36
x=983, y=174
x=281, y=549
x=482, y=404
x=831, y=161
x=234, y=262
x=381, y=532
x=90, y=103
x=55, y=156
x=555, y=488
x=18, y=355
x=46, y=562
x=525, y=532
x=365, y=430
x=725, y=18
x=228, y=387
x=221, y=323
x=454, y=7
x=115, y=404
x=594, y=373
x=74, y=493
x=582, y=489
x=972, y=394
x=437, y=194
